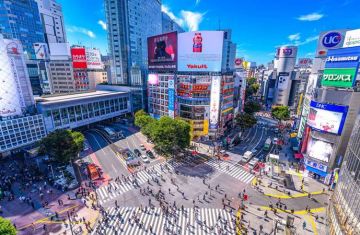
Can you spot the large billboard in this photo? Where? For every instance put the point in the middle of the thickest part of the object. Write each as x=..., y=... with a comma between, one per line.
x=319, y=149
x=215, y=101
x=93, y=59
x=171, y=95
x=283, y=80
x=10, y=95
x=327, y=117
x=352, y=38
x=341, y=67
x=41, y=51
x=286, y=51
x=162, y=51
x=78, y=56
x=200, y=51
x=329, y=40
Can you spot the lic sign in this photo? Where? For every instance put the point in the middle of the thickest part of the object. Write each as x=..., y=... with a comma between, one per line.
x=331, y=39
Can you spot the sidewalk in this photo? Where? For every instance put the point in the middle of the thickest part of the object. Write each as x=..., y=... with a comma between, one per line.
x=253, y=219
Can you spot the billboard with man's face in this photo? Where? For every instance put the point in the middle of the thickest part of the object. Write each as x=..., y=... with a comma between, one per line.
x=162, y=52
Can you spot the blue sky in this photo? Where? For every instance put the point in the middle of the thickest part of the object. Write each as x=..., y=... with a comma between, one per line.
x=258, y=26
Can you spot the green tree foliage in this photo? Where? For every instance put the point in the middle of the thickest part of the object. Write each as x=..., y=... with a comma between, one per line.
x=62, y=145
x=245, y=121
x=139, y=113
x=252, y=87
x=169, y=135
x=251, y=107
x=280, y=112
x=6, y=227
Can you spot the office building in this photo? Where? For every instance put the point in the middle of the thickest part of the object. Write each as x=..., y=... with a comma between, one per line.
x=344, y=209
x=21, y=20
x=61, y=74
x=52, y=21
x=229, y=52
x=284, y=64
x=169, y=25
x=130, y=23
x=95, y=78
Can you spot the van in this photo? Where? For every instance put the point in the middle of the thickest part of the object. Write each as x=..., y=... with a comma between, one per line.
x=247, y=156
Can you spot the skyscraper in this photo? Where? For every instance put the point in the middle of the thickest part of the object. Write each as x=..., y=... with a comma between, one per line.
x=20, y=19
x=52, y=20
x=169, y=25
x=130, y=23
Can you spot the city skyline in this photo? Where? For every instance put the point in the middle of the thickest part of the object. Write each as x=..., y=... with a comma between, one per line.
x=302, y=26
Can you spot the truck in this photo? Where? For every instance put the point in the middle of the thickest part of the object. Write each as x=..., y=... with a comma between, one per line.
x=247, y=155
x=267, y=144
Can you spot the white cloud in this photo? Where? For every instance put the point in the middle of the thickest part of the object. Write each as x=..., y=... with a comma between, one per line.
x=172, y=15
x=294, y=37
x=75, y=29
x=310, y=54
x=102, y=24
x=197, y=2
x=192, y=19
x=189, y=19
x=311, y=17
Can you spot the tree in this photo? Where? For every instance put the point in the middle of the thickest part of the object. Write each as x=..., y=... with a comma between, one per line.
x=62, y=145
x=143, y=120
x=245, y=121
x=6, y=227
x=251, y=107
x=139, y=113
x=280, y=112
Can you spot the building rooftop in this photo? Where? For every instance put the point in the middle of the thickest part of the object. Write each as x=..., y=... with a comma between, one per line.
x=73, y=97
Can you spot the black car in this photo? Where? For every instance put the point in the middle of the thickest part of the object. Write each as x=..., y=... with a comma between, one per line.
x=150, y=154
x=137, y=152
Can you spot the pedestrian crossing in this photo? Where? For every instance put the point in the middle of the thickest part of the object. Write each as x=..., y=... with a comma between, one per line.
x=191, y=221
x=233, y=170
x=114, y=189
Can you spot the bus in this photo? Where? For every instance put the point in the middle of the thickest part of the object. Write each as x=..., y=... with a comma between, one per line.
x=267, y=144
x=111, y=133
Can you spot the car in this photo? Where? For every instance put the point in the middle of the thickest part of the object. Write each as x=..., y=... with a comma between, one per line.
x=150, y=154
x=137, y=152
x=275, y=140
x=142, y=147
x=145, y=159
x=253, y=162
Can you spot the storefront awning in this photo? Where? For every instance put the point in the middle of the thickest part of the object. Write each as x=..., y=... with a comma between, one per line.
x=298, y=155
x=316, y=171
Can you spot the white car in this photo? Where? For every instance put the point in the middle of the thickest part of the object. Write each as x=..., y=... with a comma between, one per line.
x=145, y=159
x=275, y=140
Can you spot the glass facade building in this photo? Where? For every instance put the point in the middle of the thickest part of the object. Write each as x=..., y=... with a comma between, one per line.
x=20, y=19
x=344, y=209
x=20, y=132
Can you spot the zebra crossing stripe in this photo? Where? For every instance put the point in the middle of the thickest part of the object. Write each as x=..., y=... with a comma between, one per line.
x=159, y=223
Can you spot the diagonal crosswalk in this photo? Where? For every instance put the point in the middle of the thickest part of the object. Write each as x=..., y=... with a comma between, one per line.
x=114, y=189
x=233, y=170
x=202, y=221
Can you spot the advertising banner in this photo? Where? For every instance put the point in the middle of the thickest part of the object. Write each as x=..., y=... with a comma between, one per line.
x=339, y=77
x=329, y=40
x=41, y=51
x=327, y=117
x=200, y=51
x=283, y=80
x=78, y=56
x=304, y=62
x=162, y=51
x=215, y=101
x=316, y=165
x=93, y=59
x=238, y=63
x=352, y=38
x=10, y=99
x=319, y=149
x=286, y=51
x=171, y=95
x=153, y=79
